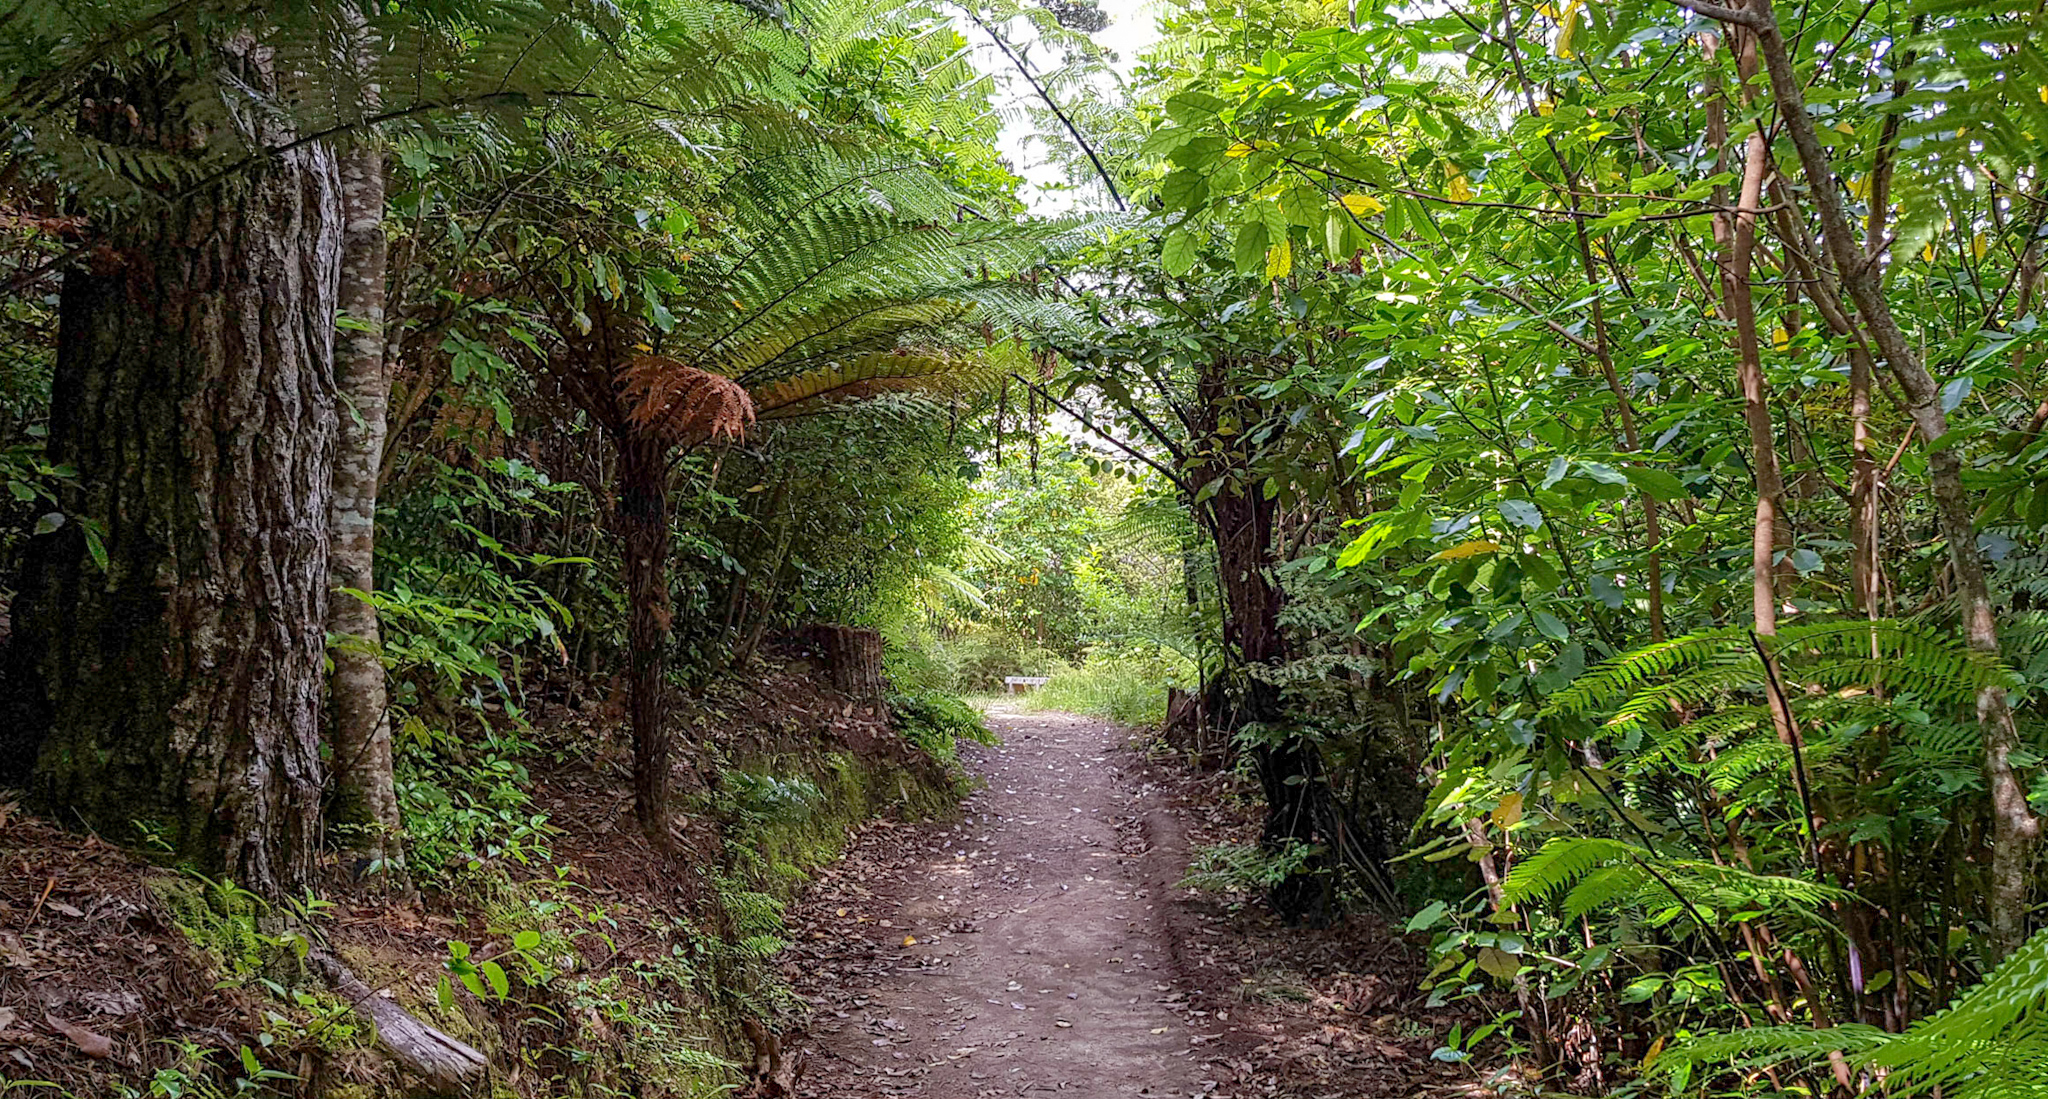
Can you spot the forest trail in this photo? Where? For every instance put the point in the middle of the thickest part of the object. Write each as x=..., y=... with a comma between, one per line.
x=1030, y=947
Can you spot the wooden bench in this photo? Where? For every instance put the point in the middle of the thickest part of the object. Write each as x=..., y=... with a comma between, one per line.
x=1021, y=684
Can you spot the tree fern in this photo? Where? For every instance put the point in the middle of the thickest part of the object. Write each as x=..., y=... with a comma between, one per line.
x=1596, y=871
x=1561, y=862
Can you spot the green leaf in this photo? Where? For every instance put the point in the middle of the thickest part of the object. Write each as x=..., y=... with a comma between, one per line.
x=1185, y=189
x=1549, y=625
x=1499, y=963
x=1605, y=474
x=501, y=986
x=1179, y=253
x=1521, y=513
x=1194, y=108
x=1428, y=917
x=1658, y=484
x=1249, y=252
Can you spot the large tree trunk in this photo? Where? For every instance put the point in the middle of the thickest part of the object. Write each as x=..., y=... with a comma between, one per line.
x=365, y=810
x=1239, y=518
x=643, y=525
x=179, y=683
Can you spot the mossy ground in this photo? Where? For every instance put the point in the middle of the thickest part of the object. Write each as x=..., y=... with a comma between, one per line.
x=604, y=993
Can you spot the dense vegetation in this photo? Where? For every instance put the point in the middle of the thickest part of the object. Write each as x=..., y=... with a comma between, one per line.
x=1583, y=464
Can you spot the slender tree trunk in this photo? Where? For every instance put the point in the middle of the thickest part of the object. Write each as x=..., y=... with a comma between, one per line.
x=2015, y=828
x=179, y=683
x=643, y=526
x=366, y=799
x=1738, y=233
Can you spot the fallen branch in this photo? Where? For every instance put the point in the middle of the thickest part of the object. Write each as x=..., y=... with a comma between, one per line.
x=447, y=1063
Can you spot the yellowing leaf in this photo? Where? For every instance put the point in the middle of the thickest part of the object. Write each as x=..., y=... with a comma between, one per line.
x=1979, y=245
x=1780, y=339
x=1362, y=205
x=1467, y=549
x=1656, y=1048
x=1280, y=259
x=1460, y=189
x=2044, y=93
x=1547, y=107
x=1509, y=811
x=1844, y=127
x=1567, y=29
x=1242, y=148
x=1927, y=253
x=909, y=940
x=1860, y=187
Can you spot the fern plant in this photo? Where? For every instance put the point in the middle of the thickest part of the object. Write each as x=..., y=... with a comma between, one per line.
x=1654, y=804
x=1991, y=1043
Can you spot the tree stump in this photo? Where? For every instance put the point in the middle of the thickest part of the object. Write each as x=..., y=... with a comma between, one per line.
x=774, y=1075
x=852, y=657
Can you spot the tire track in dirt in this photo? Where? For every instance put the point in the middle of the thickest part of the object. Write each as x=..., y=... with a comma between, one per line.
x=1029, y=947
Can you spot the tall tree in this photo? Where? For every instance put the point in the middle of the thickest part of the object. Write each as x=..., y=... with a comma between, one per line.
x=365, y=795
x=167, y=633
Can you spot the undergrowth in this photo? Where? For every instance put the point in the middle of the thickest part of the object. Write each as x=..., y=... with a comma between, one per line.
x=1127, y=686
x=935, y=723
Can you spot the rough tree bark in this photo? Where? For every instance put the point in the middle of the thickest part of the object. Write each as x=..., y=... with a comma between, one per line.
x=1239, y=519
x=179, y=684
x=643, y=526
x=365, y=797
x=852, y=655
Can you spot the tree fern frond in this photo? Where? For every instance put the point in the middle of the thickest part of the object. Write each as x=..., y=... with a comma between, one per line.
x=683, y=404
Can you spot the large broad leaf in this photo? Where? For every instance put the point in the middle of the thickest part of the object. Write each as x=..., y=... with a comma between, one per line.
x=1521, y=513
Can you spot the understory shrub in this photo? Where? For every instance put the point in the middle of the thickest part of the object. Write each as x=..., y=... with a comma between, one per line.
x=935, y=722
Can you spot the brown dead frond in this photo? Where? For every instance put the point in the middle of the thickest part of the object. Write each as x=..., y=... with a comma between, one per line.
x=684, y=404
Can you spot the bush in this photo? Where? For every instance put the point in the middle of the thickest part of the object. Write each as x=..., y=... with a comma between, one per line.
x=977, y=657
x=1243, y=868
x=935, y=722
x=466, y=804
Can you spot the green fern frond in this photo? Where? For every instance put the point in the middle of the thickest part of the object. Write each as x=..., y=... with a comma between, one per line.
x=1991, y=1043
x=1561, y=862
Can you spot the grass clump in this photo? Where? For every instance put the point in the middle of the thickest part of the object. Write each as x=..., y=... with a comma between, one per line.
x=1126, y=685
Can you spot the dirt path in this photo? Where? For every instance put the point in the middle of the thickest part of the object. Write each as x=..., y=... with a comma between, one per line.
x=1030, y=947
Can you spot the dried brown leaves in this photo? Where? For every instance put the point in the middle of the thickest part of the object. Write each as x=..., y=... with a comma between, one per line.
x=683, y=403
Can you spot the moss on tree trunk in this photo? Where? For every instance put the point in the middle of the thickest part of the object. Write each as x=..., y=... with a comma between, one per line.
x=179, y=683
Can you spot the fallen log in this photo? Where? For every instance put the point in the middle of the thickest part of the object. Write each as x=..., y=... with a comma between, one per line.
x=446, y=1063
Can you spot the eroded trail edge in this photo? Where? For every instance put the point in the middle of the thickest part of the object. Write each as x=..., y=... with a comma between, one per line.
x=1031, y=946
